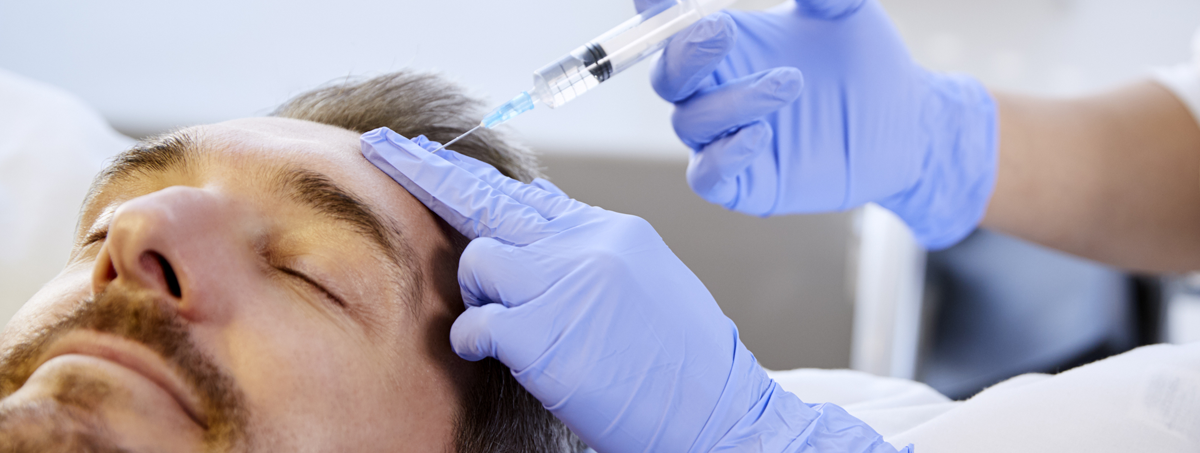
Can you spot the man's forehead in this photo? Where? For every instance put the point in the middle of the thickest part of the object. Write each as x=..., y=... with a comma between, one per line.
x=280, y=136
x=331, y=150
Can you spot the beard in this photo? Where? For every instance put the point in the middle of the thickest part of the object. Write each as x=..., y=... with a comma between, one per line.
x=68, y=421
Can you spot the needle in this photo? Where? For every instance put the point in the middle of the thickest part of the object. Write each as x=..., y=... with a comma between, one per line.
x=451, y=142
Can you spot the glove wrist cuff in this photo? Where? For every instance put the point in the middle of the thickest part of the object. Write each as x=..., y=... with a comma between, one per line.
x=959, y=173
x=780, y=422
x=755, y=414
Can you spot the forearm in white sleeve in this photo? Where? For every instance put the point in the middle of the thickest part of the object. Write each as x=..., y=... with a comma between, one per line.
x=1184, y=79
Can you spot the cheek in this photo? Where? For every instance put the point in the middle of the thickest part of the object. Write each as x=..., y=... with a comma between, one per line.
x=51, y=303
x=287, y=346
x=300, y=369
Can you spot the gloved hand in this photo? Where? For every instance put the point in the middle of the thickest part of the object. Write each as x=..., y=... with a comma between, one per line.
x=600, y=321
x=863, y=124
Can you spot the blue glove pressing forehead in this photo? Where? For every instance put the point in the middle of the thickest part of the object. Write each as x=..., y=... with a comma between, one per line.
x=601, y=322
x=816, y=105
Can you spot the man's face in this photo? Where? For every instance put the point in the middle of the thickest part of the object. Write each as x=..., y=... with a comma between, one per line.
x=257, y=286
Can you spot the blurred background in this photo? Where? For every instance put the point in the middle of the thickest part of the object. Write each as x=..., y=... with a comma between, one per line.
x=834, y=290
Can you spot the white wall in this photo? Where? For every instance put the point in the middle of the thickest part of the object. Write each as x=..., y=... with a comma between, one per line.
x=1060, y=47
x=150, y=65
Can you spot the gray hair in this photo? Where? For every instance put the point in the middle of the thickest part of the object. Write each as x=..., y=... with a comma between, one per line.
x=498, y=415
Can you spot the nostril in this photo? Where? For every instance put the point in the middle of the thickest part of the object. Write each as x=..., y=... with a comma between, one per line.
x=169, y=275
x=153, y=261
x=110, y=274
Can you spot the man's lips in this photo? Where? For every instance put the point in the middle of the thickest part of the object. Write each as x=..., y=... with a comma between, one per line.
x=133, y=356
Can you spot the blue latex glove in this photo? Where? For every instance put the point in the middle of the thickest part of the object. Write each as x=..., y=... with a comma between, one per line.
x=870, y=125
x=601, y=322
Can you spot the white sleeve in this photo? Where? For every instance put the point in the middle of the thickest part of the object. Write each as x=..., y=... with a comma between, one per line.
x=1145, y=400
x=1184, y=79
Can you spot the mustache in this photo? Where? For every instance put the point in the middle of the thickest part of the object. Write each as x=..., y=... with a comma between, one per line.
x=155, y=324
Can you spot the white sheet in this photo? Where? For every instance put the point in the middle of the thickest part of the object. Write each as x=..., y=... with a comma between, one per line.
x=1146, y=400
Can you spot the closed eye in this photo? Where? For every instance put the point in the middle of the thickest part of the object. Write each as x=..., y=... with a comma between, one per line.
x=313, y=283
x=95, y=236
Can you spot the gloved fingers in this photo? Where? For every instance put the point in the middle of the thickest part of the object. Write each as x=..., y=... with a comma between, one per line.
x=557, y=203
x=829, y=9
x=548, y=186
x=690, y=57
x=466, y=202
x=490, y=271
x=643, y=5
x=713, y=172
x=471, y=333
x=548, y=203
x=712, y=113
x=485, y=172
x=425, y=143
x=494, y=330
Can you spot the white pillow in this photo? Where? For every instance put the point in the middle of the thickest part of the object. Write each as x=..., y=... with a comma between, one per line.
x=51, y=146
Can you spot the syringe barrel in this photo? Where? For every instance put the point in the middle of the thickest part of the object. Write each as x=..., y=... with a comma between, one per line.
x=628, y=43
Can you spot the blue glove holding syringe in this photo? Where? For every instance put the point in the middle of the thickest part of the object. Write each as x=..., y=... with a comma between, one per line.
x=595, y=62
x=872, y=125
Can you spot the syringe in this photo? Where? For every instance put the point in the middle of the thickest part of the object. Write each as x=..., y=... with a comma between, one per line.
x=597, y=61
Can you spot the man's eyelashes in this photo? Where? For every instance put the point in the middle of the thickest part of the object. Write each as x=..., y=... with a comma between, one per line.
x=313, y=283
x=95, y=236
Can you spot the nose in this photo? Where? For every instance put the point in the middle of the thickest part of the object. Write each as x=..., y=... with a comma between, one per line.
x=161, y=243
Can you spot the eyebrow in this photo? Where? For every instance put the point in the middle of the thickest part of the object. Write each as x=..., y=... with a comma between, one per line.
x=171, y=151
x=175, y=151
x=319, y=193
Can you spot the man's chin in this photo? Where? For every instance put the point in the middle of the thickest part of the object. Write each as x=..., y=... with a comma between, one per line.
x=46, y=425
x=87, y=404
